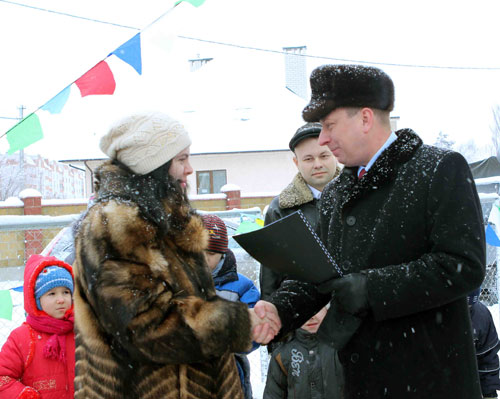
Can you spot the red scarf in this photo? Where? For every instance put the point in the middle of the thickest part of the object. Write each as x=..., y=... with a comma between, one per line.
x=56, y=344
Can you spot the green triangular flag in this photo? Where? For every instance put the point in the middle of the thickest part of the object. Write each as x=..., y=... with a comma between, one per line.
x=195, y=3
x=246, y=226
x=26, y=132
x=5, y=305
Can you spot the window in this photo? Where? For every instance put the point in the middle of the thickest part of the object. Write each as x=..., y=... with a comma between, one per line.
x=210, y=181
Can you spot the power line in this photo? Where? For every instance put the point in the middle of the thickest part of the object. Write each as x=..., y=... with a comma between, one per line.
x=68, y=15
x=92, y=20
x=263, y=49
x=341, y=59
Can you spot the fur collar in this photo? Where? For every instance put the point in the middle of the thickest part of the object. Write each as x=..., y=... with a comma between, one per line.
x=161, y=203
x=298, y=193
x=384, y=170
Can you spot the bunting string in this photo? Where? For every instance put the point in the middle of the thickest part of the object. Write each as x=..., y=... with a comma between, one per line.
x=98, y=80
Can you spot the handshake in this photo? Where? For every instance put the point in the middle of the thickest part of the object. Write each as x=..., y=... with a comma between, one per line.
x=265, y=322
x=349, y=296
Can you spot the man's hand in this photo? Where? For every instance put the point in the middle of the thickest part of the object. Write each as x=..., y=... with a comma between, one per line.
x=349, y=292
x=265, y=322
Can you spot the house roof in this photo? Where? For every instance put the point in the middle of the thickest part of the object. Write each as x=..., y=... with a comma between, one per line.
x=226, y=111
x=232, y=103
x=485, y=168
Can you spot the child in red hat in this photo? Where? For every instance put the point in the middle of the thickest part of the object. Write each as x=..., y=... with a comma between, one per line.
x=38, y=359
x=229, y=284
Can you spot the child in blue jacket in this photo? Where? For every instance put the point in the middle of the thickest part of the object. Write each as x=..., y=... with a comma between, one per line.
x=229, y=284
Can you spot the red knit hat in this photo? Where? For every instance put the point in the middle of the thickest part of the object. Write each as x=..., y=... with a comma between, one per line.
x=217, y=232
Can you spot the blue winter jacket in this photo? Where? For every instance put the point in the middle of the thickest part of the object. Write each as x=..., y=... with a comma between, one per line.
x=234, y=286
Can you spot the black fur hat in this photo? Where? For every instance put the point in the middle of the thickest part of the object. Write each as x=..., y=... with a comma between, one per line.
x=338, y=86
x=304, y=132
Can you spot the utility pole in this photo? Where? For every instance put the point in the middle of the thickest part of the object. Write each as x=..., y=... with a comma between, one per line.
x=21, y=152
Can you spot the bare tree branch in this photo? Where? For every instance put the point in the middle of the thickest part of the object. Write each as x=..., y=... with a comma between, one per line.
x=10, y=177
x=495, y=130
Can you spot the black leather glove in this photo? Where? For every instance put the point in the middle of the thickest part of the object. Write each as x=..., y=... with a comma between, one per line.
x=349, y=292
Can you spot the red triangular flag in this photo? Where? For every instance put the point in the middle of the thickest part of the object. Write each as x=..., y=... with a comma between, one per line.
x=98, y=80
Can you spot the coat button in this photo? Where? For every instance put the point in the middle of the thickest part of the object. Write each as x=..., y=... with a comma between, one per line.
x=350, y=220
x=346, y=265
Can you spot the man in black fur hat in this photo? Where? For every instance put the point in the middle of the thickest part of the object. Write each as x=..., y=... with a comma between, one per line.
x=404, y=223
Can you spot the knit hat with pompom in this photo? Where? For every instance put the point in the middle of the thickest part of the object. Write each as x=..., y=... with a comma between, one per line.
x=49, y=278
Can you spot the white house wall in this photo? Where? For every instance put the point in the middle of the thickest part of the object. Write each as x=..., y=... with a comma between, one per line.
x=253, y=172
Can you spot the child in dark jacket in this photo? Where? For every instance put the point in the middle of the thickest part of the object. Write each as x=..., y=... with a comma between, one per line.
x=305, y=367
x=38, y=359
x=229, y=284
x=487, y=344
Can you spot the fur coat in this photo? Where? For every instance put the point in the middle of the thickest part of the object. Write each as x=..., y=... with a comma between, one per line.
x=148, y=321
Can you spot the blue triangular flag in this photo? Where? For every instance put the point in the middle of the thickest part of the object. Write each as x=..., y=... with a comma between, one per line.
x=56, y=104
x=491, y=237
x=130, y=52
x=18, y=289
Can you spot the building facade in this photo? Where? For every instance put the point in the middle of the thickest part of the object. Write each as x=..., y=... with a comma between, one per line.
x=53, y=179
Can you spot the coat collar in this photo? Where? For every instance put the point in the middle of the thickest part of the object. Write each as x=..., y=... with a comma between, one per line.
x=383, y=170
x=157, y=201
x=228, y=272
x=298, y=193
x=305, y=337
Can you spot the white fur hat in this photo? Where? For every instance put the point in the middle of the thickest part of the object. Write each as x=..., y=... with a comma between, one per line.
x=145, y=141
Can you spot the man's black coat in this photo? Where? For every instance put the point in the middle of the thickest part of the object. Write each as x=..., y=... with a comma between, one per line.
x=413, y=224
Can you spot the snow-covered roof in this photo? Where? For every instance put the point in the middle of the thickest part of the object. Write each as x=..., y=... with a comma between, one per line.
x=487, y=180
x=488, y=196
x=230, y=104
x=226, y=111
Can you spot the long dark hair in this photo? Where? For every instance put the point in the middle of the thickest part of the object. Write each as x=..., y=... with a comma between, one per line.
x=149, y=192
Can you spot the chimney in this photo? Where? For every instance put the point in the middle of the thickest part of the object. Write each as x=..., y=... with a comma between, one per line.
x=295, y=70
x=394, y=123
x=197, y=63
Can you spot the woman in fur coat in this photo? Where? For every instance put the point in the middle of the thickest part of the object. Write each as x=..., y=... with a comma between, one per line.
x=149, y=323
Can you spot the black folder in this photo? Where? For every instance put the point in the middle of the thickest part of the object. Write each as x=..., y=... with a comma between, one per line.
x=291, y=246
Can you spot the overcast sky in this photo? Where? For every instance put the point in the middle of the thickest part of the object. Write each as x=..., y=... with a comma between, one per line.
x=43, y=52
